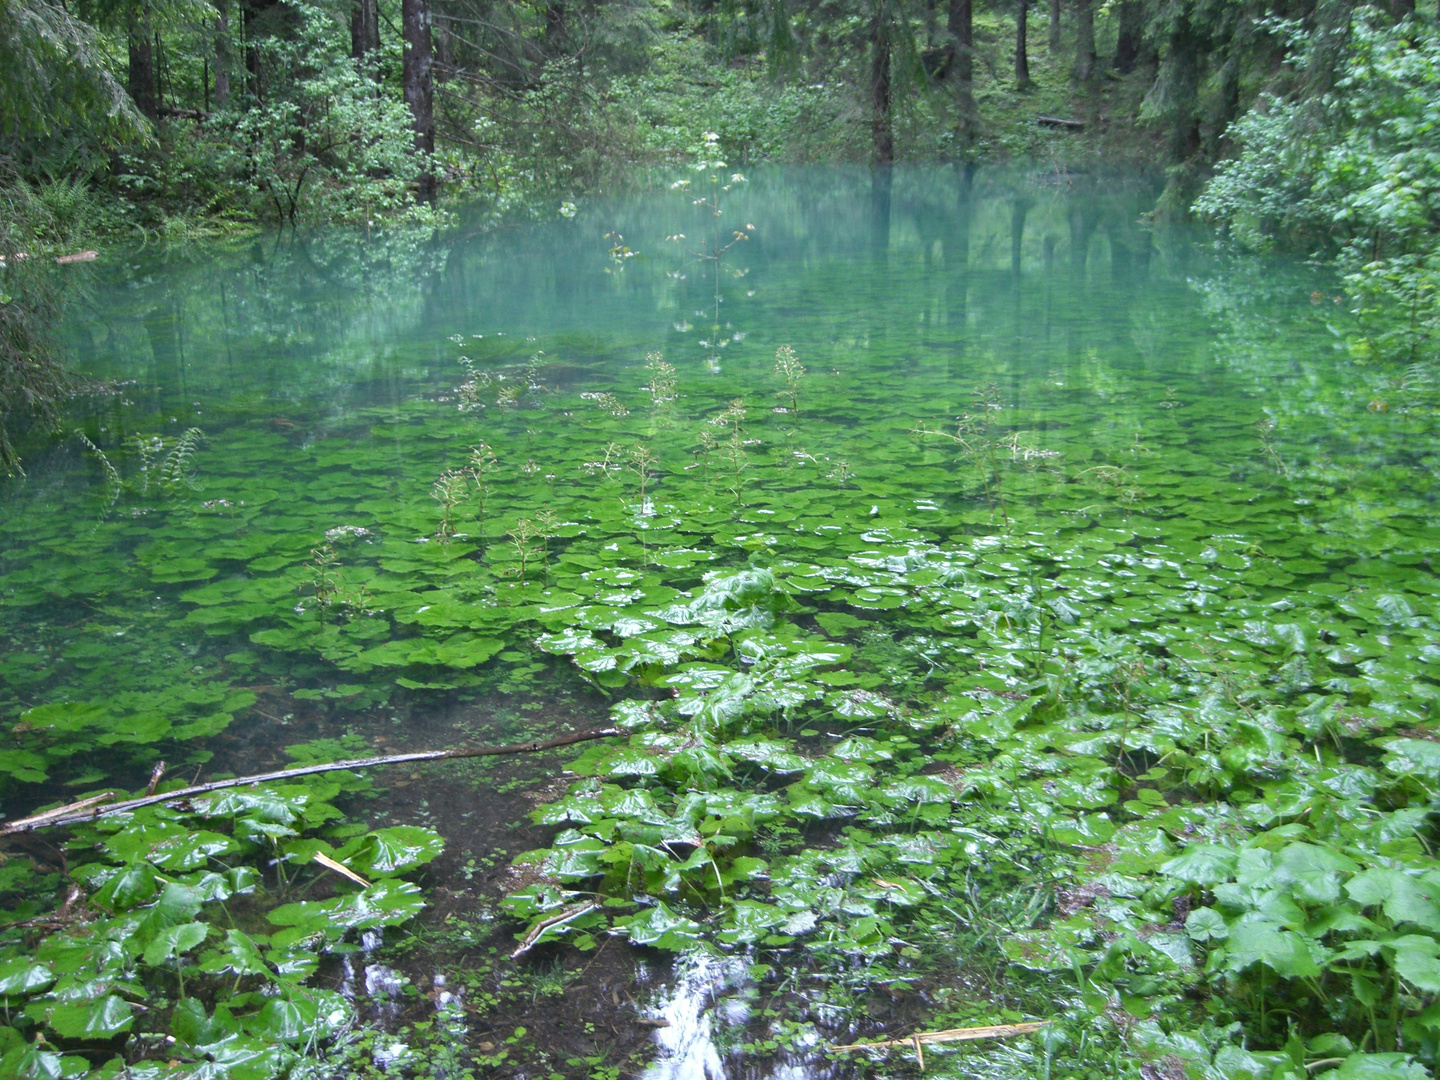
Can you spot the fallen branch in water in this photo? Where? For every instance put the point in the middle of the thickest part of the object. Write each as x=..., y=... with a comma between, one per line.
x=999, y=1031
x=89, y=809
x=555, y=920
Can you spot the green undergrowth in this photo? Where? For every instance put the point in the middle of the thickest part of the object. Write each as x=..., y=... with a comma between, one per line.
x=190, y=936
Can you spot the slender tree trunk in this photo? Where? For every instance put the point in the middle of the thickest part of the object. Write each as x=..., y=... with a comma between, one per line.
x=419, y=85
x=961, y=25
x=1022, y=58
x=222, y=53
x=365, y=31
x=142, y=77
x=1084, y=40
x=1130, y=32
x=1402, y=8
x=1054, y=39
x=882, y=136
x=555, y=29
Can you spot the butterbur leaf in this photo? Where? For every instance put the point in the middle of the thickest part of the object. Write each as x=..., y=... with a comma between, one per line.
x=392, y=850
x=1283, y=951
x=99, y=1019
x=1403, y=898
x=128, y=888
x=1378, y=1067
x=662, y=928
x=1202, y=864
x=174, y=941
x=1206, y=924
x=1417, y=756
x=240, y=955
x=23, y=976
x=1417, y=965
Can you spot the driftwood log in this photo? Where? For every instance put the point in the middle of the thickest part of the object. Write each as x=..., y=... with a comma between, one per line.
x=1057, y=122
x=98, y=806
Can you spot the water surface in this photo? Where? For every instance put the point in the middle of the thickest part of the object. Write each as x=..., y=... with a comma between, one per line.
x=1010, y=378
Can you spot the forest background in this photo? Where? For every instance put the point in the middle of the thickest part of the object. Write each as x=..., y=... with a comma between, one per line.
x=177, y=118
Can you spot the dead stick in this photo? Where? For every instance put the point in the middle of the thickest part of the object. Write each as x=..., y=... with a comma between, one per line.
x=549, y=924
x=85, y=810
x=999, y=1031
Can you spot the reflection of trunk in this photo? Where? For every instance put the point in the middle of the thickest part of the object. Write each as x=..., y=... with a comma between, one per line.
x=1054, y=28
x=1084, y=40
x=882, y=137
x=142, y=75
x=961, y=24
x=1127, y=40
x=222, y=53
x=1019, y=210
x=880, y=181
x=365, y=32
x=162, y=327
x=957, y=257
x=419, y=87
x=1022, y=58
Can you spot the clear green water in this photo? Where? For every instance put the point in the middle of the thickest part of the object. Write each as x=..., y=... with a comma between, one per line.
x=1172, y=502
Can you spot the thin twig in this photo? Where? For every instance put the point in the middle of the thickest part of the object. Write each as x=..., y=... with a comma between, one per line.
x=999, y=1031
x=85, y=809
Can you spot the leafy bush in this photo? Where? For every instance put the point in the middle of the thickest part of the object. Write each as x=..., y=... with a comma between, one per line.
x=324, y=144
x=1356, y=171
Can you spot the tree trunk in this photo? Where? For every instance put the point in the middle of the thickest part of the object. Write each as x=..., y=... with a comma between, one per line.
x=419, y=85
x=961, y=25
x=1022, y=58
x=1402, y=8
x=222, y=53
x=141, y=80
x=1130, y=32
x=365, y=32
x=882, y=137
x=553, y=42
x=1084, y=40
x=1054, y=39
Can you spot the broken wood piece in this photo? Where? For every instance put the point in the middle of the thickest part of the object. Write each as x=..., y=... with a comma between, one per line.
x=998, y=1031
x=84, y=810
x=1056, y=121
x=340, y=868
x=919, y=1052
x=51, y=817
x=562, y=916
x=79, y=256
x=156, y=775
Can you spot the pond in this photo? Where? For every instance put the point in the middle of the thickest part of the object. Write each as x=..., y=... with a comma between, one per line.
x=982, y=579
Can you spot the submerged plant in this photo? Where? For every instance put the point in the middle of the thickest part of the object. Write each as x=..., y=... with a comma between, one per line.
x=522, y=538
x=607, y=403
x=662, y=385
x=641, y=462
x=114, y=486
x=791, y=371
x=714, y=248
x=451, y=488
x=481, y=469
x=1264, y=429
